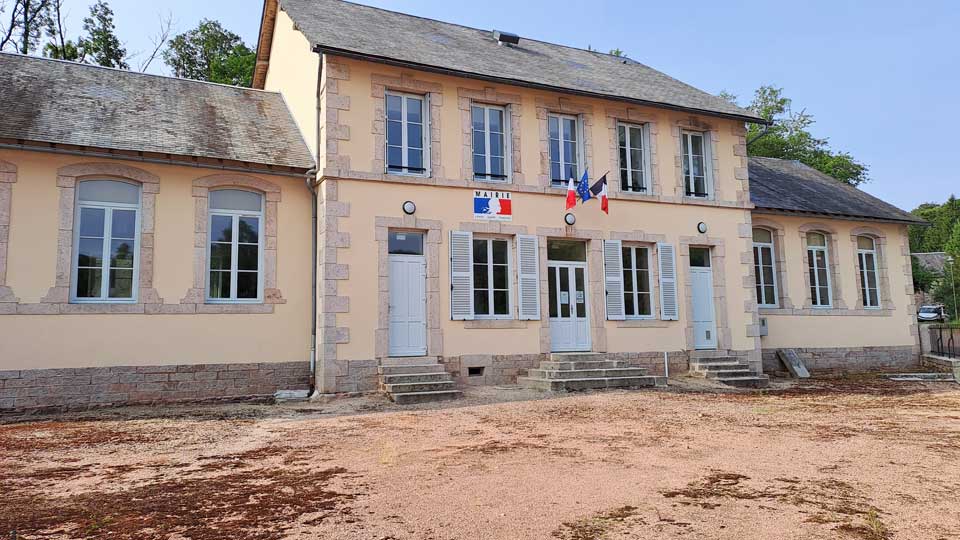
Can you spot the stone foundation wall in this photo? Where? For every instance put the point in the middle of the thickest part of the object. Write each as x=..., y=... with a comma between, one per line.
x=81, y=388
x=835, y=360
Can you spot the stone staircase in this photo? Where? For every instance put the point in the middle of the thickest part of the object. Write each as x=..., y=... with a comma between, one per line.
x=416, y=380
x=587, y=371
x=728, y=370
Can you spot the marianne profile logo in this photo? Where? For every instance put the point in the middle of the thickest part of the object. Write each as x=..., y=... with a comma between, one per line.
x=492, y=205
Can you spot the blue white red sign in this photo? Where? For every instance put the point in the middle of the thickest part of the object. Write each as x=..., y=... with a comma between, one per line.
x=492, y=205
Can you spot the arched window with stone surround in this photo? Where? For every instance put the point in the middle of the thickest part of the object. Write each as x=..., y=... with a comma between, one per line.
x=235, y=254
x=106, y=241
x=867, y=267
x=818, y=266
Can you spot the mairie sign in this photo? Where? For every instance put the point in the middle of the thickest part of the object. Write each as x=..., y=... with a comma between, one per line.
x=492, y=205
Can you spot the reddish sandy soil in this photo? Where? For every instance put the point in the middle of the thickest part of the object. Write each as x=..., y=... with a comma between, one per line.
x=860, y=459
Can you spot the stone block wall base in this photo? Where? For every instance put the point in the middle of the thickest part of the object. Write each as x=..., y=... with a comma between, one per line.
x=836, y=360
x=83, y=388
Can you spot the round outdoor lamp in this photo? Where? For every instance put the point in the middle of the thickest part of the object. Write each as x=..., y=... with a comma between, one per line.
x=569, y=218
x=702, y=227
x=409, y=208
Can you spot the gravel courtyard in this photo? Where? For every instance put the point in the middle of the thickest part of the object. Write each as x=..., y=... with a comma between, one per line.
x=850, y=458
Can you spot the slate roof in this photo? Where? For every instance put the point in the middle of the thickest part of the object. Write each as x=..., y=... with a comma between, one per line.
x=336, y=26
x=783, y=185
x=68, y=103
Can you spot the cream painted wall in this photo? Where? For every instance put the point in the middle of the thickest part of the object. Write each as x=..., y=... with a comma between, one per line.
x=293, y=71
x=848, y=330
x=50, y=341
x=453, y=206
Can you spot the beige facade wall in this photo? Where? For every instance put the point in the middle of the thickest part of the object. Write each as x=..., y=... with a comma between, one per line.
x=166, y=329
x=847, y=324
x=294, y=71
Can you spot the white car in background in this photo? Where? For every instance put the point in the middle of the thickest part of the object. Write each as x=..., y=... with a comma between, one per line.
x=931, y=314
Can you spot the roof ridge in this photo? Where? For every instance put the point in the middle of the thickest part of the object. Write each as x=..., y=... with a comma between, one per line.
x=131, y=72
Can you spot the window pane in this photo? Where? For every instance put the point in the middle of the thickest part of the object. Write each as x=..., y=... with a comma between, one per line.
x=762, y=236
x=477, y=118
x=405, y=243
x=415, y=136
x=220, y=256
x=500, y=252
x=479, y=165
x=644, y=307
x=768, y=275
x=414, y=159
x=248, y=230
x=770, y=296
x=394, y=104
x=552, y=293
x=760, y=299
x=394, y=156
x=88, y=282
x=700, y=257
x=628, y=307
x=480, y=251
x=643, y=258
x=696, y=145
x=627, y=255
x=499, y=277
x=565, y=288
x=496, y=166
x=767, y=256
x=479, y=143
x=816, y=239
x=874, y=298
x=90, y=252
x=636, y=139
x=221, y=228
x=247, y=257
x=872, y=280
x=643, y=281
x=569, y=129
x=501, y=303
x=622, y=136
x=481, y=303
x=414, y=110
x=219, y=284
x=394, y=133
x=481, y=277
x=865, y=242
x=565, y=250
x=121, y=254
x=496, y=144
x=555, y=175
x=91, y=221
x=628, y=280
x=235, y=199
x=123, y=224
x=580, y=289
x=553, y=124
x=496, y=120
x=246, y=285
x=109, y=191
x=121, y=284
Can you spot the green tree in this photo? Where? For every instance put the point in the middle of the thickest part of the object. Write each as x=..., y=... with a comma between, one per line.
x=943, y=219
x=617, y=52
x=22, y=23
x=99, y=44
x=211, y=53
x=953, y=244
x=789, y=137
x=947, y=290
x=923, y=278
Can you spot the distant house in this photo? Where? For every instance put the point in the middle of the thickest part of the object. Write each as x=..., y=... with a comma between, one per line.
x=387, y=210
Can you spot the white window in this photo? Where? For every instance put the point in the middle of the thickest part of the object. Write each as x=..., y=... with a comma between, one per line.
x=633, y=159
x=695, y=158
x=490, y=136
x=235, y=255
x=565, y=154
x=764, y=268
x=106, y=242
x=491, y=278
x=407, y=131
x=867, y=257
x=819, y=268
x=637, y=295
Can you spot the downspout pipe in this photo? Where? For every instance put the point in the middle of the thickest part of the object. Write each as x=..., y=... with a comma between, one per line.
x=758, y=136
x=311, y=182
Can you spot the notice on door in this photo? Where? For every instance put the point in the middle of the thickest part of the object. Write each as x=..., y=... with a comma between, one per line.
x=492, y=205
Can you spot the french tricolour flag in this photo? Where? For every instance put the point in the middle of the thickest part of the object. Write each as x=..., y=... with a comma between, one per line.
x=571, y=192
x=599, y=189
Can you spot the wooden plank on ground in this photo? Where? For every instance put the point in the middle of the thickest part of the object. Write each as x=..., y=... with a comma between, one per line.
x=794, y=364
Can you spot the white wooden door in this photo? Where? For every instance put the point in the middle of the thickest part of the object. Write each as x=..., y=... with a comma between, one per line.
x=408, y=305
x=569, y=320
x=704, y=314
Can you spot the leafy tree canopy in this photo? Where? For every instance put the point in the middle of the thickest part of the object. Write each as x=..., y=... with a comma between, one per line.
x=943, y=219
x=211, y=53
x=789, y=137
x=99, y=45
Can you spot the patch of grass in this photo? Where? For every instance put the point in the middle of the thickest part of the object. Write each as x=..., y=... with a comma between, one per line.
x=594, y=527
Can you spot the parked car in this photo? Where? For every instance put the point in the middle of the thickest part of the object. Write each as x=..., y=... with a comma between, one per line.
x=931, y=314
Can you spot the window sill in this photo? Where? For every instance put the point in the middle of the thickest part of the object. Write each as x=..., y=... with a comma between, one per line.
x=642, y=323
x=493, y=180
x=410, y=175
x=494, y=324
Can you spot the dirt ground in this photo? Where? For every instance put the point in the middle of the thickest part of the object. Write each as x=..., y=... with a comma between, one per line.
x=860, y=458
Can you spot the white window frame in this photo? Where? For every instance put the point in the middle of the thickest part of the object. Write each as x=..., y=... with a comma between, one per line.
x=644, y=155
x=578, y=127
x=812, y=262
x=864, y=284
x=507, y=150
x=404, y=123
x=108, y=208
x=234, y=251
x=707, y=164
x=758, y=270
x=489, y=242
x=636, y=289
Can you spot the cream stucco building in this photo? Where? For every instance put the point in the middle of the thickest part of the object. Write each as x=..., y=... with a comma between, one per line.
x=430, y=247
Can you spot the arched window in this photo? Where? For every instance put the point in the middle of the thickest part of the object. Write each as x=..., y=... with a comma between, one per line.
x=818, y=257
x=764, y=267
x=867, y=257
x=106, y=242
x=235, y=254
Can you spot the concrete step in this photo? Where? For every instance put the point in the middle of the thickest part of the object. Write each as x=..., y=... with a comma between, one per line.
x=755, y=381
x=413, y=368
x=585, y=373
x=405, y=388
x=424, y=397
x=594, y=364
x=729, y=373
x=408, y=360
x=414, y=378
x=715, y=366
x=577, y=357
x=592, y=383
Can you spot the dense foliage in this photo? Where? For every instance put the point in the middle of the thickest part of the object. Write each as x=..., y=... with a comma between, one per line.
x=211, y=53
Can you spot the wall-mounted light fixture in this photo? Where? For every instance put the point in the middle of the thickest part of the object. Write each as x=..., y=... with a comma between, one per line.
x=569, y=218
x=702, y=227
x=409, y=208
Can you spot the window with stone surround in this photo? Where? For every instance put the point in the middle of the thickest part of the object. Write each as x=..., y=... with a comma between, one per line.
x=867, y=267
x=235, y=256
x=637, y=292
x=696, y=164
x=492, y=298
x=818, y=267
x=764, y=267
x=633, y=160
x=490, y=128
x=566, y=154
x=407, y=134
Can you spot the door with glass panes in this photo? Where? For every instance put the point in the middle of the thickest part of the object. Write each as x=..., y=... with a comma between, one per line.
x=567, y=282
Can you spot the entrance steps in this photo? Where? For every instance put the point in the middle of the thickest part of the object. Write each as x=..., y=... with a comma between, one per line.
x=416, y=380
x=727, y=370
x=587, y=371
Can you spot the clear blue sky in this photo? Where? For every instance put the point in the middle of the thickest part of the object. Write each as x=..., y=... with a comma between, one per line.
x=880, y=77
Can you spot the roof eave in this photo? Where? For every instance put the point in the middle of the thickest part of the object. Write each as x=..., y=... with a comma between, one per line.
x=264, y=43
x=846, y=217
x=322, y=49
